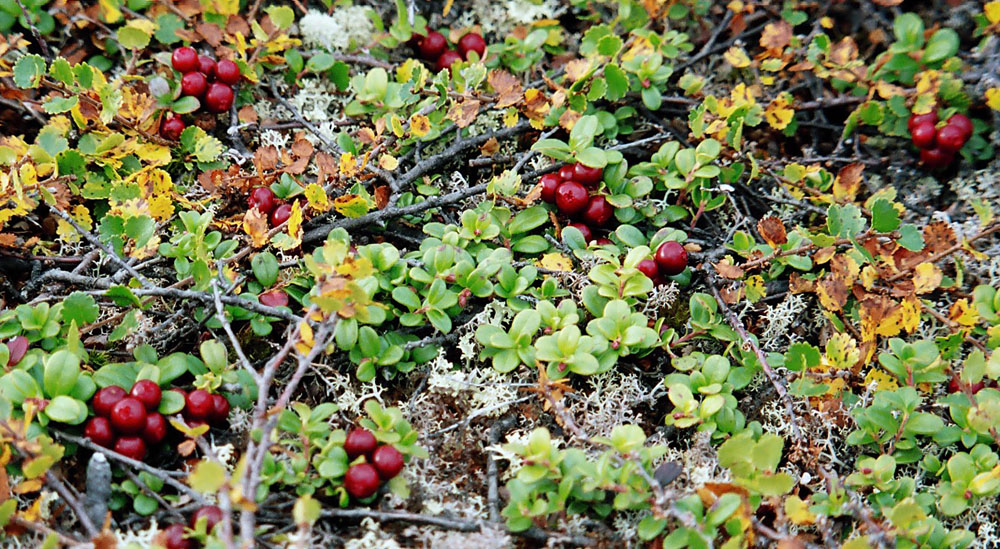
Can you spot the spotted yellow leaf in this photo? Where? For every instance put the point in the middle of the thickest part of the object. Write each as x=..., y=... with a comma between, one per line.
x=737, y=57
x=926, y=278
x=420, y=125
x=317, y=198
x=778, y=113
x=556, y=262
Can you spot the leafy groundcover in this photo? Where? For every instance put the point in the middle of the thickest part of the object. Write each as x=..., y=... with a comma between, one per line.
x=499, y=273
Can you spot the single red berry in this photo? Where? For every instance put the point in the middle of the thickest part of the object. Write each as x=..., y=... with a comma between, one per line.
x=17, y=346
x=227, y=72
x=923, y=135
x=98, y=430
x=212, y=515
x=172, y=128
x=262, y=198
x=388, y=461
x=206, y=66
x=571, y=197
x=359, y=442
x=550, y=182
x=590, y=177
x=659, y=281
x=433, y=45
x=588, y=235
x=415, y=40
x=133, y=447
x=963, y=123
x=936, y=158
x=219, y=97
x=567, y=173
x=128, y=416
x=194, y=84
x=184, y=59
x=447, y=59
x=220, y=409
x=148, y=392
x=950, y=138
x=281, y=214
x=198, y=404
x=603, y=242
x=671, y=258
x=361, y=480
x=916, y=119
x=274, y=298
x=598, y=211
x=156, y=428
x=472, y=42
x=648, y=267
x=106, y=398
x=174, y=537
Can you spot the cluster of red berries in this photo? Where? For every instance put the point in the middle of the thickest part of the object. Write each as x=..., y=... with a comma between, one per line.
x=939, y=145
x=204, y=79
x=129, y=422
x=381, y=463
x=175, y=535
x=670, y=259
x=264, y=200
x=569, y=189
x=434, y=48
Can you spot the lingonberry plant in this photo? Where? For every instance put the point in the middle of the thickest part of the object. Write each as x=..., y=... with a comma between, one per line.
x=522, y=273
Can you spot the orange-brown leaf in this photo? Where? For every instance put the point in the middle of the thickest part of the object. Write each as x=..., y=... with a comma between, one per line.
x=772, y=230
x=507, y=87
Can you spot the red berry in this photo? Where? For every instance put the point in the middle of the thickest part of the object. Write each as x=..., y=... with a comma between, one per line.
x=415, y=40
x=262, y=198
x=433, y=45
x=567, y=173
x=173, y=537
x=550, y=182
x=281, y=214
x=361, y=480
x=198, y=404
x=472, y=42
x=106, y=398
x=447, y=59
x=212, y=515
x=133, y=447
x=156, y=428
x=17, y=346
x=194, y=84
x=917, y=119
x=950, y=138
x=171, y=128
x=387, y=461
x=220, y=409
x=936, y=158
x=648, y=267
x=148, y=392
x=128, y=416
x=206, y=66
x=359, y=442
x=671, y=258
x=184, y=59
x=98, y=430
x=219, y=97
x=598, y=211
x=963, y=123
x=571, y=197
x=923, y=135
x=603, y=242
x=274, y=298
x=587, y=175
x=227, y=72
x=588, y=235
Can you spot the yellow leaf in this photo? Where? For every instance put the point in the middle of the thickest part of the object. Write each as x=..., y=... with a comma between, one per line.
x=737, y=57
x=295, y=221
x=883, y=381
x=556, y=262
x=926, y=278
x=348, y=165
x=798, y=511
x=109, y=11
x=306, y=341
x=992, y=12
x=351, y=205
x=207, y=477
x=826, y=22
x=993, y=95
x=510, y=118
x=388, y=162
x=755, y=290
x=255, y=225
x=317, y=198
x=963, y=314
x=420, y=125
x=778, y=113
